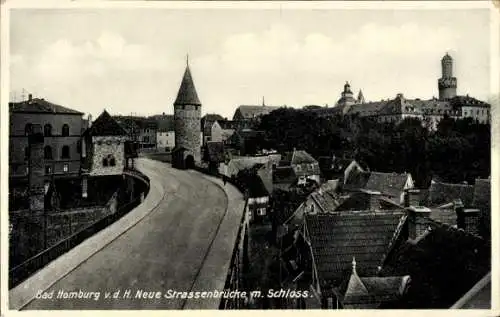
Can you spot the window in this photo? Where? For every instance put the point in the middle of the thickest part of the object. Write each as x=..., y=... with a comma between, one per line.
x=65, y=130
x=79, y=146
x=47, y=130
x=465, y=113
x=28, y=129
x=26, y=153
x=47, y=152
x=48, y=169
x=65, y=168
x=65, y=152
x=109, y=160
x=27, y=170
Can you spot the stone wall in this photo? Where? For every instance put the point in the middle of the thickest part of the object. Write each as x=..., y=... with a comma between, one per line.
x=104, y=146
x=188, y=130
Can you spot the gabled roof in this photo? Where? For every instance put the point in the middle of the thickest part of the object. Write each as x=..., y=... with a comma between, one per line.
x=40, y=105
x=127, y=124
x=302, y=157
x=335, y=238
x=391, y=184
x=106, y=125
x=187, y=92
x=442, y=193
x=250, y=112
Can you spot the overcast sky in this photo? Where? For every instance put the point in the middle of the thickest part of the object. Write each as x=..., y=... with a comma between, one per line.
x=132, y=60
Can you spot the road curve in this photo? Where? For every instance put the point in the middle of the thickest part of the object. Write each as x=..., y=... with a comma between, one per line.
x=164, y=251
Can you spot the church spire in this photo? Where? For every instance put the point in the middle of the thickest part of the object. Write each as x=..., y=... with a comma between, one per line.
x=187, y=92
x=361, y=97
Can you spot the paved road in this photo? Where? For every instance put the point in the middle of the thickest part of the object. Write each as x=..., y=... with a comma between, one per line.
x=165, y=250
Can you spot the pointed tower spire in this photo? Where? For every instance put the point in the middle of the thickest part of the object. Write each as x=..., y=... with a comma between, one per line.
x=361, y=97
x=354, y=265
x=187, y=92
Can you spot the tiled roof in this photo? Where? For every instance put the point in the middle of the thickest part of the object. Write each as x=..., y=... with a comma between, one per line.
x=336, y=238
x=367, y=109
x=237, y=164
x=370, y=292
x=444, y=264
x=302, y=157
x=356, y=180
x=187, y=92
x=391, y=184
x=39, y=105
x=249, y=112
x=482, y=194
x=326, y=197
x=284, y=174
x=256, y=187
x=468, y=101
x=165, y=123
x=127, y=124
x=442, y=193
x=355, y=201
x=215, y=151
x=106, y=125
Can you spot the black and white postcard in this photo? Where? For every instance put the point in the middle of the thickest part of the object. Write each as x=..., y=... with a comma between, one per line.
x=249, y=156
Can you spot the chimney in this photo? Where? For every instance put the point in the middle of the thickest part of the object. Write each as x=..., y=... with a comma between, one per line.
x=36, y=174
x=467, y=219
x=412, y=197
x=373, y=199
x=30, y=97
x=418, y=221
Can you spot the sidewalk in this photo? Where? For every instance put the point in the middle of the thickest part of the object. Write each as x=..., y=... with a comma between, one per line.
x=25, y=292
x=218, y=262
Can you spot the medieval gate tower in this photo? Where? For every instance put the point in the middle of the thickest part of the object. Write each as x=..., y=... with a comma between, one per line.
x=447, y=84
x=187, y=118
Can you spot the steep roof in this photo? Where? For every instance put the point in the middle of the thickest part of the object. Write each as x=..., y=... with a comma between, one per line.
x=367, y=109
x=165, y=123
x=441, y=193
x=335, y=238
x=391, y=184
x=250, y=112
x=302, y=157
x=40, y=105
x=106, y=125
x=284, y=175
x=187, y=92
x=444, y=264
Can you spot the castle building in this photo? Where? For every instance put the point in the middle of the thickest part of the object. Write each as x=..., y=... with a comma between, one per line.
x=447, y=84
x=347, y=97
x=431, y=111
x=187, y=122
